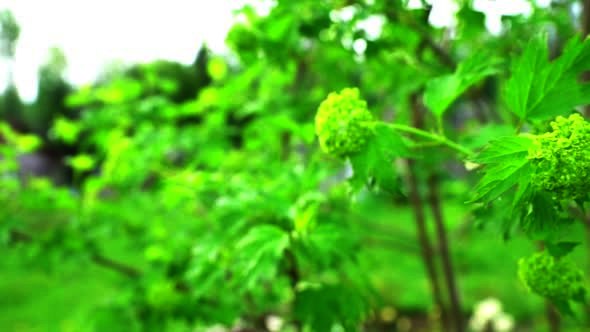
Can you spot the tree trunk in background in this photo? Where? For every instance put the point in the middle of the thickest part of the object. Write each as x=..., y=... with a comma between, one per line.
x=552, y=317
x=586, y=17
x=425, y=243
x=421, y=228
x=443, y=247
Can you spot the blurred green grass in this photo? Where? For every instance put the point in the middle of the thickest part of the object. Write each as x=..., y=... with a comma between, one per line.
x=485, y=264
x=34, y=299
x=66, y=298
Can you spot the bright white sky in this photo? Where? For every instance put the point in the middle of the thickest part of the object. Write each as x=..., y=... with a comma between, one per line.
x=93, y=33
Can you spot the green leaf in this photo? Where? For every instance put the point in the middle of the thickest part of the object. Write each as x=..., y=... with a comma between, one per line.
x=482, y=135
x=542, y=220
x=499, y=179
x=564, y=307
x=505, y=166
x=329, y=244
x=28, y=143
x=66, y=130
x=580, y=296
x=217, y=68
x=82, y=162
x=508, y=148
x=374, y=164
x=441, y=92
x=82, y=97
x=521, y=197
x=119, y=91
x=259, y=253
x=561, y=249
x=539, y=89
x=320, y=307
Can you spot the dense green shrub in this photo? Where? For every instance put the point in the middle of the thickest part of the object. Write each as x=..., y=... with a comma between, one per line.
x=298, y=178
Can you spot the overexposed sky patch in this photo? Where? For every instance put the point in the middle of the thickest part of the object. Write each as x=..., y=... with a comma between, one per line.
x=94, y=33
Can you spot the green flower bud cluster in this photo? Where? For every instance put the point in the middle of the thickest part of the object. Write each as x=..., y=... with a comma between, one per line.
x=343, y=123
x=562, y=158
x=556, y=279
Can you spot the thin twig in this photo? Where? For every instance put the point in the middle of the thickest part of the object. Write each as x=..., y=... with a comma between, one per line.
x=443, y=247
x=108, y=263
x=421, y=228
x=17, y=236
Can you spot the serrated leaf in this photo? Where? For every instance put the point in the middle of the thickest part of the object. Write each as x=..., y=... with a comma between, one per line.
x=542, y=219
x=320, y=307
x=441, y=92
x=561, y=249
x=521, y=196
x=539, y=89
x=258, y=254
x=375, y=162
x=500, y=178
x=506, y=166
x=504, y=149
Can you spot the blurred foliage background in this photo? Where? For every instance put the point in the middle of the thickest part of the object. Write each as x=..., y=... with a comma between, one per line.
x=171, y=197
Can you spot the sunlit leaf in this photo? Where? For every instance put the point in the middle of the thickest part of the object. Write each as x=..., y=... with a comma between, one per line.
x=505, y=166
x=28, y=143
x=443, y=91
x=66, y=130
x=217, y=68
x=259, y=252
x=82, y=162
x=539, y=89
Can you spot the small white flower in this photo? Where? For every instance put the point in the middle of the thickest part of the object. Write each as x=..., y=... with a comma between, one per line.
x=488, y=308
x=274, y=323
x=477, y=324
x=485, y=311
x=503, y=323
x=471, y=165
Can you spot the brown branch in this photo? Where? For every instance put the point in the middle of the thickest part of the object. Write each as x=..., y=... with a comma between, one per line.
x=116, y=266
x=421, y=228
x=585, y=18
x=424, y=241
x=17, y=236
x=552, y=317
x=443, y=247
